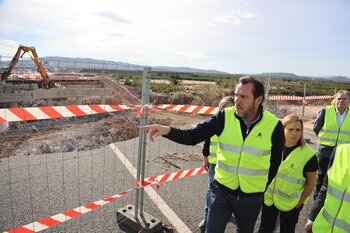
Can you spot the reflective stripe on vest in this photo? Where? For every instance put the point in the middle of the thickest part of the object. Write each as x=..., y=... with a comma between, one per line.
x=287, y=187
x=245, y=163
x=331, y=134
x=335, y=215
x=339, y=223
x=212, y=149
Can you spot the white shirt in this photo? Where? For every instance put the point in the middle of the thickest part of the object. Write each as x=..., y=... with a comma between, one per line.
x=341, y=117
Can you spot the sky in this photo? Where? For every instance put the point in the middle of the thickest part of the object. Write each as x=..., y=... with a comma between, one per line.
x=304, y=37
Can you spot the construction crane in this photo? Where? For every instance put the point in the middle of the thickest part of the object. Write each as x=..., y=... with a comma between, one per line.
x=34, y=56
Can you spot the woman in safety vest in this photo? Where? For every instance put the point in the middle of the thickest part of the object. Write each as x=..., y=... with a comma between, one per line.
x=294, y=182
x=209, y=157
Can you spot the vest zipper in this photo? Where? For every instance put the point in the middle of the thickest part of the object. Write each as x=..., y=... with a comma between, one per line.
x=239, y=161
x=336, y=141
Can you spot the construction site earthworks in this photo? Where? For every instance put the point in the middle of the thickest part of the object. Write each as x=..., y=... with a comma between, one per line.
x=105, y=128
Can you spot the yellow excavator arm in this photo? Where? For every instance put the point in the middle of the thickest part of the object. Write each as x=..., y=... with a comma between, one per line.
x=34, y=56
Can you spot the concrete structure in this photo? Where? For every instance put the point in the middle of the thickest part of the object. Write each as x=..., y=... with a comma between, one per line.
x=40, y=94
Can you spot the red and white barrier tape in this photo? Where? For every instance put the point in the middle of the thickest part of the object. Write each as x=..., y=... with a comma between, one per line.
x=171, y=176
x=52, y=112
x=188, y=108
x=293, y=97
x=48, y=222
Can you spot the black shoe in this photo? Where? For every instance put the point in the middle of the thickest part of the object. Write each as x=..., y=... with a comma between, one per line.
x=201, y=225
x=232, y=219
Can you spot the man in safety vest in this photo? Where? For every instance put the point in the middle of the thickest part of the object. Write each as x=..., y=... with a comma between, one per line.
x=250, y=143
x=332, y=126
x=331, y=211
x=209, y=158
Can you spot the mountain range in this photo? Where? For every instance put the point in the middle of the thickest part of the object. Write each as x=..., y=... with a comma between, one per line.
x=55, y=62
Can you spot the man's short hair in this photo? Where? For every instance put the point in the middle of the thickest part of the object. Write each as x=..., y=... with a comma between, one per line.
x=342, y=92
x=259, y=89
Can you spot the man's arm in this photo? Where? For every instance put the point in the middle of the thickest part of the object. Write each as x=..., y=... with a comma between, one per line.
x=276, y=151
x=319, y=122
x=205, y=149
x=321, y=197
x=319, y=201
x=214, y=125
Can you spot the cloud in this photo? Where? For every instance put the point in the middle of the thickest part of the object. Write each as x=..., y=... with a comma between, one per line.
x=191, y=55
x=112, y=17
x=9, y=27
x=115, y=34
x=8, y=47
x=235, y=18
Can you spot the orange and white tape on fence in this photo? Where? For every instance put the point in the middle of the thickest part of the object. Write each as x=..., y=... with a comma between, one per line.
x=52, y=112
x=54, y=220
x=293, y=97
x=319, y=97
x=172, y=176
x=188, y=108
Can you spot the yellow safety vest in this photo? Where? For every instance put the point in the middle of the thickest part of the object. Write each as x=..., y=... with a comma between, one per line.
x=287, y=187
x=212, y=149
x=331, y=134
x=245, y=163
x=334, y=217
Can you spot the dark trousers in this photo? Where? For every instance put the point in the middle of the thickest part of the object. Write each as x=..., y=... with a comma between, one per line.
x=322, y=171
x=224, y=202
x=288, y=220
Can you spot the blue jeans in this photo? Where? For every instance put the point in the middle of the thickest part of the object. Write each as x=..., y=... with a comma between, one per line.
x=224, y=202
x=211, y=173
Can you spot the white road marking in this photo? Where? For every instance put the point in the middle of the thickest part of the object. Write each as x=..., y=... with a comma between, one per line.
x=179, y=225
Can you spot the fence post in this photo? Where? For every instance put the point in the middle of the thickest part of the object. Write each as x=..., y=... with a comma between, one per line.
x=303, y=109
x=142, y=140
x=134, y=217
x=267, y=88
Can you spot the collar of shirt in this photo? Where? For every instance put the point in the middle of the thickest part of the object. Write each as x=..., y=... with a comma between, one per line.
x=257, y=118
x=248, y=126
x=341, y=117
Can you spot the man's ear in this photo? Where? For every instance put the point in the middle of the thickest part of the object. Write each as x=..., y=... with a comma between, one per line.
x=258, y=100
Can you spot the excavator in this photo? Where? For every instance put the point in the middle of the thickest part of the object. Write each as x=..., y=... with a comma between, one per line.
x=34, y=56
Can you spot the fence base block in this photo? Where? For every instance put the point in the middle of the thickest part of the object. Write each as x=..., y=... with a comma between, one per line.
x=145, y=224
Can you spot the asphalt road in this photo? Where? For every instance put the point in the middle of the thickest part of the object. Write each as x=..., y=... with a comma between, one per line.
x=38, y=186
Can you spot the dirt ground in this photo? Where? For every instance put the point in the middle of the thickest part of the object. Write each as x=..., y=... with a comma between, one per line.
x=65, y=135
x=52, y=136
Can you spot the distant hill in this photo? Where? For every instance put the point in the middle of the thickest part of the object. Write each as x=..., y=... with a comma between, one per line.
x=287, y=75
x=294, y=76
x=186, y=70
x=338, y=79
x=53, y=63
